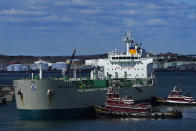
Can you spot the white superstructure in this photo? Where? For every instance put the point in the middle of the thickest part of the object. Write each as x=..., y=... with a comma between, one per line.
x=130, y=64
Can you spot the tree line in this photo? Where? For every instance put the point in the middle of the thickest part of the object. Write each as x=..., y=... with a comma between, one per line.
x=5, y=59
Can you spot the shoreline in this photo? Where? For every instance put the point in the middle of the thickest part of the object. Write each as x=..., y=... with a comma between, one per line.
x=59, y=71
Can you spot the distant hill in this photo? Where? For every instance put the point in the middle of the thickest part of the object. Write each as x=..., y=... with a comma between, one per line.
x=191, y=55
x=4, y=59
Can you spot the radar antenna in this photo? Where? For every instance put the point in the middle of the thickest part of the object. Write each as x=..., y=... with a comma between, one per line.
x=127, y=38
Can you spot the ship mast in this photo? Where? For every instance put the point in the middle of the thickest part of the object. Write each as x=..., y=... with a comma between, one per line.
x=128, y=40
x=40, y=63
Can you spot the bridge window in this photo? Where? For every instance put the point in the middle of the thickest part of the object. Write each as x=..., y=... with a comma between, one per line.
x=120, y=57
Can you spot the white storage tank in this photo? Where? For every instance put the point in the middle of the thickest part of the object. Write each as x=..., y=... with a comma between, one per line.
x=59, y=66
x=54, y=66
x=93, y=62
x=25, y=68
x=10, y=68
x=50, y=64
x=34, y=67
x=18, y=67
x=45, y=66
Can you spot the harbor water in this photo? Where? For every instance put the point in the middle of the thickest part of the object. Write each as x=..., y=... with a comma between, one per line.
x=165, y=81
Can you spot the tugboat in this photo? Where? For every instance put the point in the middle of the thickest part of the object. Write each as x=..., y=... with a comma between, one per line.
x=175, y=97
x=117, y=104
x=116, y=107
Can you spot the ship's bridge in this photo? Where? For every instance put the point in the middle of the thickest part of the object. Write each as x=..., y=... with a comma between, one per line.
x=133, y=54
x=123, y=57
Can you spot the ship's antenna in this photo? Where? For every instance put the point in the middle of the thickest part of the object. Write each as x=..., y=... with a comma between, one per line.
x=128, y=39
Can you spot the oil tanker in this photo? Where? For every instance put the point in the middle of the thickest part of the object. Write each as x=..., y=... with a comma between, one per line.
x=72, y=97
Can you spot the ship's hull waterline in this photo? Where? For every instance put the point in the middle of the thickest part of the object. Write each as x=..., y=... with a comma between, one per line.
x=67, y=101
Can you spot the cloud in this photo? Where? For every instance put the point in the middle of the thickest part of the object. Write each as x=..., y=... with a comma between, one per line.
x=20, y=12
x=153, y=6
x=38, y=1
x=61, y=3
x=145, y=23
x=80, y=2
x=75, y=2
x=94, y=19
x=155, y=22
x=129, y=12
x=6, y=19
x=89, y=11
x=83, y=12
x=192, y=15
x=93, y=14
x=131, y=22
x=41, y=19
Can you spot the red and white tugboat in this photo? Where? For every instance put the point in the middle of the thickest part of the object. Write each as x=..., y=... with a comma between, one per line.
x=117, y=104
x=175, y=97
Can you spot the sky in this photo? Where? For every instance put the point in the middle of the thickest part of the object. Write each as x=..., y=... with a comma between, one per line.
x=57, y=27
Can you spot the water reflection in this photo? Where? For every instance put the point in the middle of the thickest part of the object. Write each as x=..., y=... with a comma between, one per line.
x=50, y=123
